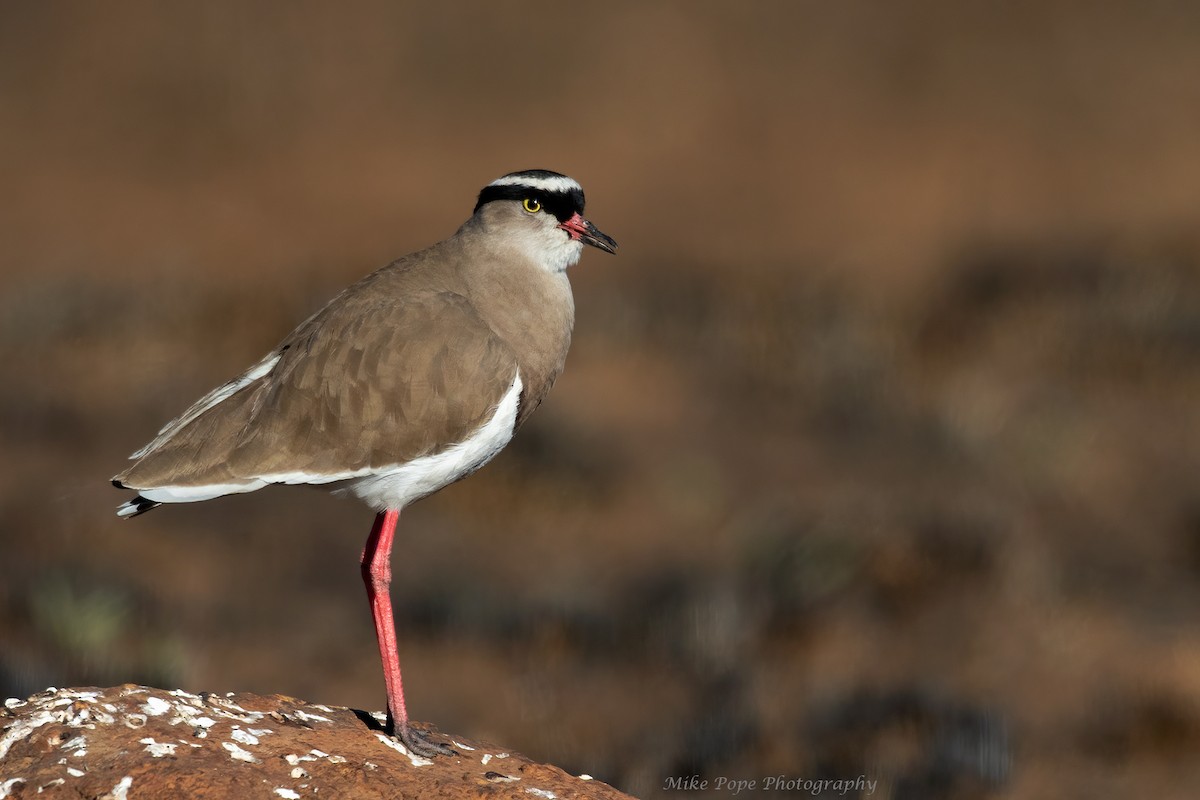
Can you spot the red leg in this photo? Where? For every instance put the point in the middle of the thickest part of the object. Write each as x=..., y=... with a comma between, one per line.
x=377, y=575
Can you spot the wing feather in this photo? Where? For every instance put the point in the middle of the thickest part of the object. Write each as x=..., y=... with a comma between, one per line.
x=366, y=383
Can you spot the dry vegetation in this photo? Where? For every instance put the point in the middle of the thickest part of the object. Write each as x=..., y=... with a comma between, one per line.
x=877, y=450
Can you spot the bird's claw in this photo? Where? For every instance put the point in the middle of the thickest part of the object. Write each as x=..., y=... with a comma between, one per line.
x=419, y=742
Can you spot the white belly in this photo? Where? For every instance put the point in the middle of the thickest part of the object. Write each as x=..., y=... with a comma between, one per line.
x=397, y=486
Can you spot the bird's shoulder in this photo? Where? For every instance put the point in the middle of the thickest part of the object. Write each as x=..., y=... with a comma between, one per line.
x=378, y=378
x=377, y=332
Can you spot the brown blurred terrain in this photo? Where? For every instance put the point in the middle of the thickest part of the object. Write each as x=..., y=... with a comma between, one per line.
x=876, y=452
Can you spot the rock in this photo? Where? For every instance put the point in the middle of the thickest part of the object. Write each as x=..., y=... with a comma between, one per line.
x=134, y=742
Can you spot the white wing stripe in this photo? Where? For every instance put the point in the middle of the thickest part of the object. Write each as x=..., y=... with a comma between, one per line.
x=193, y=494
x=392, y=486
x=216, y=396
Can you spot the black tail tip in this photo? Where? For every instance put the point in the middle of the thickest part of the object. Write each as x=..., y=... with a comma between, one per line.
x=138, y=505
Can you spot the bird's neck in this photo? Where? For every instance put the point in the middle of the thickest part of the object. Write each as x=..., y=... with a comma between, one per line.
x=528, y=307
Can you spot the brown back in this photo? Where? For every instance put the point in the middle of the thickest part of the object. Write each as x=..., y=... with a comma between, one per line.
x=405, y=363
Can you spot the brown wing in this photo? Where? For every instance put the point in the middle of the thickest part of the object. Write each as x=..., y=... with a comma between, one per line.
x=368, y=382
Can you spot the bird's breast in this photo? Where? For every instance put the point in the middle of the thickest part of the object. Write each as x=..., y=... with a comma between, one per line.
x=399, y=485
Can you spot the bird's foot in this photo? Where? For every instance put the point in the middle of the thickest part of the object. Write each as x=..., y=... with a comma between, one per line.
x=419, y=742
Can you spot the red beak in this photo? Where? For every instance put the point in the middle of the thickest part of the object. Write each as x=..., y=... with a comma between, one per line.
x=580, y=229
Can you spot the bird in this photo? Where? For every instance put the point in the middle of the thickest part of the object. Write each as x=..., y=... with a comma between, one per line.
x=409, y=380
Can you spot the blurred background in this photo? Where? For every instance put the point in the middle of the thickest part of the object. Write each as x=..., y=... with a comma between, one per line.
x=877, y=448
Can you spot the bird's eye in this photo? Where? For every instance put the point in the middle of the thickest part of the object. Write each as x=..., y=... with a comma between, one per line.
x=531, y=205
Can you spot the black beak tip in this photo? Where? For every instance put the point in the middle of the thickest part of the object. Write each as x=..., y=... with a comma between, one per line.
x=598, y=239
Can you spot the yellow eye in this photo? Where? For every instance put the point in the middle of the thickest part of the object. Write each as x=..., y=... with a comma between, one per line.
x=531, y=205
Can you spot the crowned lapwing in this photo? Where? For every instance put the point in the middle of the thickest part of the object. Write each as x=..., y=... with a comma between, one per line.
x=412, y=378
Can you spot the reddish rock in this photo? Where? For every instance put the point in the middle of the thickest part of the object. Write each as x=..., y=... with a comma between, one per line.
x=133, y=742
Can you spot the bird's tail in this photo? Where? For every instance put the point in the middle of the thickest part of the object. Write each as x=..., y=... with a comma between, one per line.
x=138, y=505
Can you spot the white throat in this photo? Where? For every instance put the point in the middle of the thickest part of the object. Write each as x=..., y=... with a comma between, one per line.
x=550, y=247
x=560, y=258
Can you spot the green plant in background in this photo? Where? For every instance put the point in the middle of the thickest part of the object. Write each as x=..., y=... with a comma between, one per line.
x=97, y=635
x=82, y=623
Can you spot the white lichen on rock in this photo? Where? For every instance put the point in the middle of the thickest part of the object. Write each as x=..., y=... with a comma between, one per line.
x=245, y=737
x=238, y=754
x=121, y=790
x=156, y=706
x=158, y=749
x=9, y=787
x=79, y=742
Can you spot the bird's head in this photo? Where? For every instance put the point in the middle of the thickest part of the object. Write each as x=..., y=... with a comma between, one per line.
x=541, y=213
